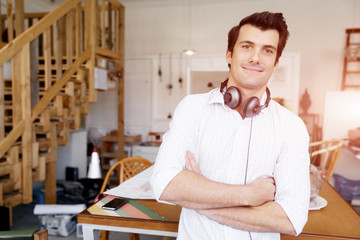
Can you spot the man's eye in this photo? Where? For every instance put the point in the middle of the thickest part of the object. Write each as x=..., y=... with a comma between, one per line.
x=269, y=51
x=246, y=46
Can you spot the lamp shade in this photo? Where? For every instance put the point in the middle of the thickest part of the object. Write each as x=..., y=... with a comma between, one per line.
x=94, y=167
x=189, y=52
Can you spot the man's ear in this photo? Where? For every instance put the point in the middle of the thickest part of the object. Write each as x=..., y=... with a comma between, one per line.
x=228, y=56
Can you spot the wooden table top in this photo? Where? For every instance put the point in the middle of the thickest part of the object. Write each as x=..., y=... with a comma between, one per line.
x=169, y=212
x=338, y=220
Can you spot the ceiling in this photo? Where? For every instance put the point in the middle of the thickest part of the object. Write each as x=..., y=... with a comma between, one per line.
x=159, y=3
x=42, y=5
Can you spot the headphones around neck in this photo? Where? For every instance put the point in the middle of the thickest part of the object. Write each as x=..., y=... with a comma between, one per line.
x=232, y=98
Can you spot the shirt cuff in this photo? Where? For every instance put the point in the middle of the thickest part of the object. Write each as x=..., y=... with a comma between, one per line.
x=297, y=217
x=161, y=178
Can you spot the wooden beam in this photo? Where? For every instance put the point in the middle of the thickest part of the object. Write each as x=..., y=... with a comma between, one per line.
x=102, y=26
x=79, y=30
x=93, y=40
x=26, y=139
x=69, y=38
x=50, y=180
x=42, y=168
x=107, y=53
x=16, y=89
x=60, y=43
x=50, y=183
x=1, y=23
x=116, y=30
x=16, y=176
x=87, y=25
x=47, y=57
x=10, y=23
x=121, y=85
x=110, y=43
x=1, y=195
x=11, y=138
x=30, y=34
x=19, y=17
x=2, y=122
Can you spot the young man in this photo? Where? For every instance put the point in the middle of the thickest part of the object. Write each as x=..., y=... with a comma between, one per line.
x=236, y=161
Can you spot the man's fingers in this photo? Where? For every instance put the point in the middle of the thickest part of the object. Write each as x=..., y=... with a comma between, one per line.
x=270, y=180
x=190, y=163
x=187, y=163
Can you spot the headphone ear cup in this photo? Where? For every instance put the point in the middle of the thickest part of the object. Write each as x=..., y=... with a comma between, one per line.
x=232, y=97
x=251, y=107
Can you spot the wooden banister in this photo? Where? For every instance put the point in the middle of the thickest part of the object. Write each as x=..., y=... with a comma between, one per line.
x=70, y=49
x=50, y=94
x=30, y=34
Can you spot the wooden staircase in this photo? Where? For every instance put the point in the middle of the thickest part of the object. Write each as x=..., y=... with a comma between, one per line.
x=48, y=94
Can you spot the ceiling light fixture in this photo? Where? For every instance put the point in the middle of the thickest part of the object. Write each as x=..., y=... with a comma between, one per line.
x=189, y=51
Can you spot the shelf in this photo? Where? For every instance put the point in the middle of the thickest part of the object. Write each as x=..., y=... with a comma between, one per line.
x=109, y=155
x=351, y=57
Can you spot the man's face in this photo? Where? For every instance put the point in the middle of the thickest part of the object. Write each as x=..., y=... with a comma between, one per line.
x=253, y=58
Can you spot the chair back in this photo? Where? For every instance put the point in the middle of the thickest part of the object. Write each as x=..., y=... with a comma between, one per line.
x=325, y=155
x=127, y=168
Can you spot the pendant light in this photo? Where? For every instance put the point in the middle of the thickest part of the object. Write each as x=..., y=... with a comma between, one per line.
x=189, y=51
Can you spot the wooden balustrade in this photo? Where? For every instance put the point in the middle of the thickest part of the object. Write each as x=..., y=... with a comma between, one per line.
x=58, y=52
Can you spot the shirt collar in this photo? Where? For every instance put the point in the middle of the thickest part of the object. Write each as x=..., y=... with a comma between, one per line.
x=216, y=96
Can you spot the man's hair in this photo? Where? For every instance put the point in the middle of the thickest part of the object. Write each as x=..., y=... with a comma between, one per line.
x=264, y=21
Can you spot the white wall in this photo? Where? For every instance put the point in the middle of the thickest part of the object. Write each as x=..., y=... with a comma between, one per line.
x=317, y=31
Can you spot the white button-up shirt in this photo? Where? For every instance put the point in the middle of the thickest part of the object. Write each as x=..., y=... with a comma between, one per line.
x=219, y=138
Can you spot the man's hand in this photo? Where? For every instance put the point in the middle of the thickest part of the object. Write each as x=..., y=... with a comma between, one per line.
x=191, y=164
x=262, y=190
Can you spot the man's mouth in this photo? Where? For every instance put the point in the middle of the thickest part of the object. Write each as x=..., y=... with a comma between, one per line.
x=253, y=68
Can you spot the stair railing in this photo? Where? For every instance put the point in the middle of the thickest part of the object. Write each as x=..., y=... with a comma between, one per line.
x=74, y=36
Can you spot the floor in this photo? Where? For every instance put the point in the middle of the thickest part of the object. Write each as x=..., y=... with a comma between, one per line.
x=24, y=218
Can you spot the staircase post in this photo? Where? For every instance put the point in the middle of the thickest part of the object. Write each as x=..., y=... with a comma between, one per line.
x=26, y=139
x=91, y=42
x=121, y=83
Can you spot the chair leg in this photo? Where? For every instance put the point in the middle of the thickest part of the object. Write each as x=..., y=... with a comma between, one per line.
x=10, y=215
x=134, y=236
x=104, y=235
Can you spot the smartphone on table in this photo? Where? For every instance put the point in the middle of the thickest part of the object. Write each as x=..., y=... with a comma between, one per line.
x=115, y=204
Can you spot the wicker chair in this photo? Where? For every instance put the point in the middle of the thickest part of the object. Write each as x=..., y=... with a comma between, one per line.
x=325, y=155
x=126, y=168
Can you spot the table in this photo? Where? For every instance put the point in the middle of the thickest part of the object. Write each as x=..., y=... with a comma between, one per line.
x=168, y=227
x=338, y=220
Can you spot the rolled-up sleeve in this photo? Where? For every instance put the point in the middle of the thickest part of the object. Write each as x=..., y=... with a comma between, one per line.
x=181, y=137
x=292, y=175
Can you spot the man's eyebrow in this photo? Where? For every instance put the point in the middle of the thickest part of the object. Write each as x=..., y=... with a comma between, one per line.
x=265, y=46
x=271, y=46
x=247, y=41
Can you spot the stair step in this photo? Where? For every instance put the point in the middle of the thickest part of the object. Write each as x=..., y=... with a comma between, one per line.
x=12, y=199
x=5, y=169
x=7, y=185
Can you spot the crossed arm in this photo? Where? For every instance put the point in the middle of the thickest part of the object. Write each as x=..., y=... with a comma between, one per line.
x=247, y=207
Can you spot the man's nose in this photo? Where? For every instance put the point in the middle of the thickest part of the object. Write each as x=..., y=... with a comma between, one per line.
x=254, y=56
